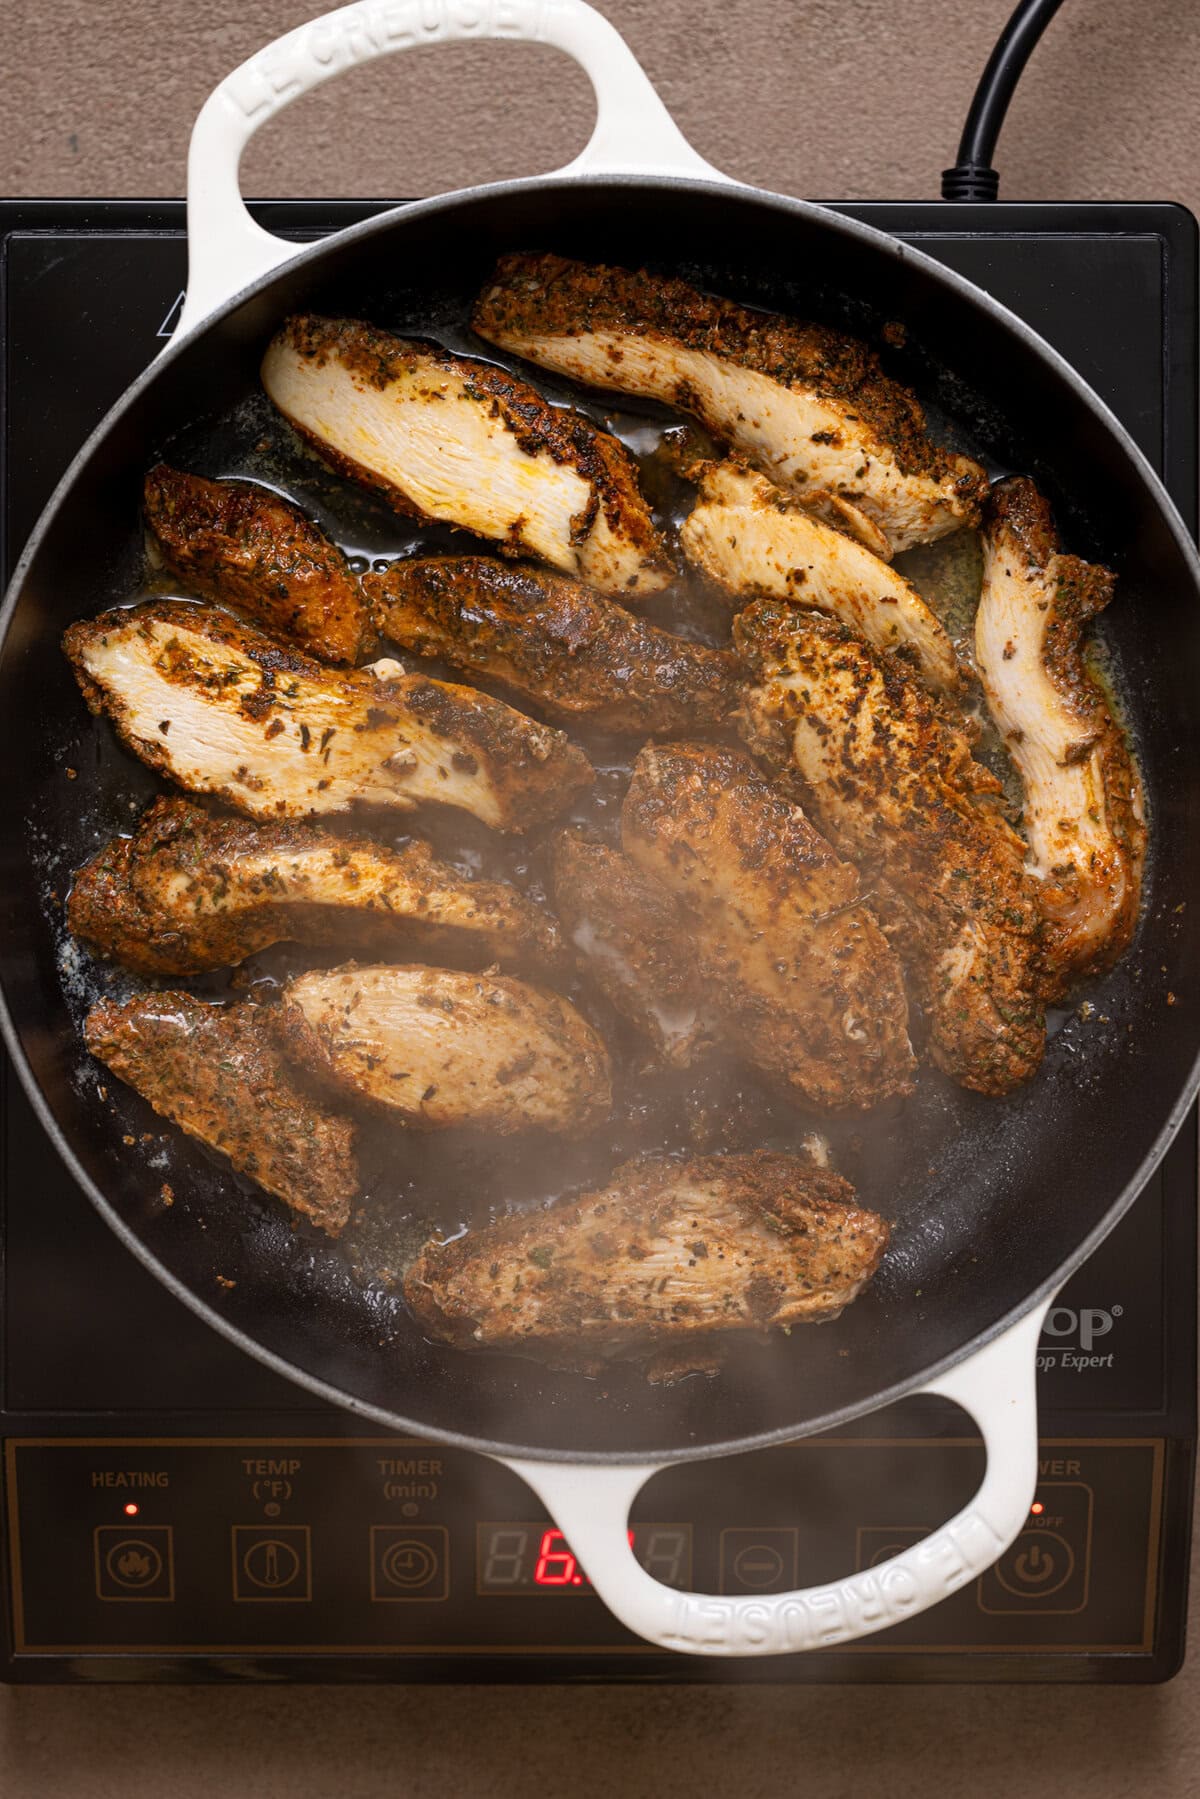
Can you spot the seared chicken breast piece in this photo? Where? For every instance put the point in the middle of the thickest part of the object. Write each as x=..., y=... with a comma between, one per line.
x=553, y=640
x=189, y=893
x=791, y=956
x=450, y=438
x=753, y=541
x=664, y=1258
x=436, y=1048
x=220, y=708
x=241, y=544
x=633, y=938
x=1084, y=818
x=216, y=1071
x=894, y=784
x=810, y=408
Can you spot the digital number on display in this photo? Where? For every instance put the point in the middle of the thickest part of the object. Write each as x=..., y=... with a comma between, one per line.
x=536, y=1558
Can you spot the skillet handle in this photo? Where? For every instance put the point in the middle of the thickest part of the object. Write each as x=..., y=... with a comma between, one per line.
x=591, y=1507
x=634, y=133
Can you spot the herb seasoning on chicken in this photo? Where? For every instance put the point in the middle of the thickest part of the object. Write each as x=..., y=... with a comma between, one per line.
x=223, y=709
x=668, y=1255
x=189, y=892
x=234, y=542
x=1083, y=815
x=896, y=787
x=438, y=1048
x=793, y=959
x=217, y=1072
x=450, y=438
x=753, y=541
x=810, y=408
x=557, y=642
x=633, y=937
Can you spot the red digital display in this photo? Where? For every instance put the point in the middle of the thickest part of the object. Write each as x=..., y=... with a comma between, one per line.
x=556, y=1566
x=536, y=1558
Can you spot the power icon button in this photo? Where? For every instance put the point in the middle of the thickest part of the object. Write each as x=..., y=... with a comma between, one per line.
x=1039, y=1563
x=1035, y=1566
x=1048, y=1568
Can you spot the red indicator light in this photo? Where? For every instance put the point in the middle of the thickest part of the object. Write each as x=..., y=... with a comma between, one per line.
x=131, y=1510
x=1037, y=1508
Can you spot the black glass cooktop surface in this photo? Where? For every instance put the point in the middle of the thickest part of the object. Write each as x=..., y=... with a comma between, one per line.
x=166, y=1495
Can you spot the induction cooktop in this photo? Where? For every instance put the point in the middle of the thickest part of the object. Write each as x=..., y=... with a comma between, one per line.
x=176, y=1511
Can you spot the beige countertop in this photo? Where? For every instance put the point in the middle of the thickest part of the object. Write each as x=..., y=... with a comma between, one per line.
x=829, y=98
x=833, y=99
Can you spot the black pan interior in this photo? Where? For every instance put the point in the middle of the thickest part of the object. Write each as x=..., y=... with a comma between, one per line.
x=991, y=1199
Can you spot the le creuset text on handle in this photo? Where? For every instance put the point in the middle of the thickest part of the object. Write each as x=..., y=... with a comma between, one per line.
x=591, y=1506
x=633, y=134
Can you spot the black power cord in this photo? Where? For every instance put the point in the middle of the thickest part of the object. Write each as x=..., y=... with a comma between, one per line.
x=973, y=177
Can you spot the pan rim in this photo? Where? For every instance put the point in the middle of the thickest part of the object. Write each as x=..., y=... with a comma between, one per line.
x=738, y=194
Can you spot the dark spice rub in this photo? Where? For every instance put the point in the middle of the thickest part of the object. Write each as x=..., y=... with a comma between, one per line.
x=1084, y=817
x=793, y=959
x=666, y=1257
x=553, y=640
x=223, y=709
x=810, y=407
x=893, y=782
x=189, y=892
x=451, y=438
x=754, y=541
x=242, y=544
x=216, y=1071
x=632, y=937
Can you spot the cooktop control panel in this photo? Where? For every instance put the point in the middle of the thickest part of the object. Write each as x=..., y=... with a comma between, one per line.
x=380, y=1546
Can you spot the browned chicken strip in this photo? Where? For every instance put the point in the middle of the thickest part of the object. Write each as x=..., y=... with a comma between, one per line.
x=752, y=540
x=220, y=708
x=635, y=941
x=437, y=1048
x=792, y=959
x=189, y=893
x=217, y=1073
x=578, y=654
x=810, y=408
x=895, y=785
x=666, y=1256
x=450, y=438
x=235, y=542
x=1084, y=818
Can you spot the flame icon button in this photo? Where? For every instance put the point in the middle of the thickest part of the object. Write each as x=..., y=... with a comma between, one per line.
x=134, y=1564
